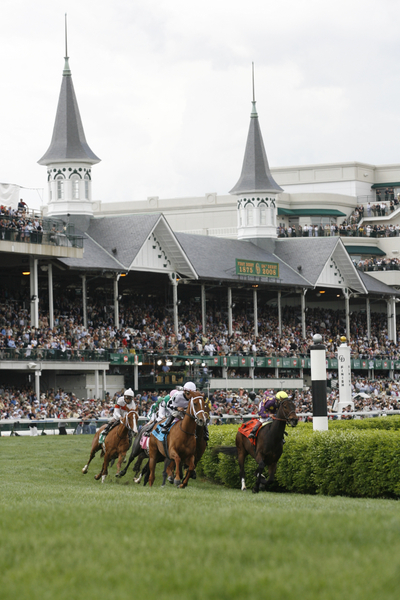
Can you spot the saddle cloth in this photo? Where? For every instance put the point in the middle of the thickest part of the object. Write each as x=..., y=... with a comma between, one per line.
x=247, y=428
x=159, y=433
x=144, y=442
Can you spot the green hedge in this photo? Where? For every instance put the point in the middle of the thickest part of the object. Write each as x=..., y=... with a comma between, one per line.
x=353, y=458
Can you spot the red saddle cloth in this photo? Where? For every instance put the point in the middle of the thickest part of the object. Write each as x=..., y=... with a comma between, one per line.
x=247, y=428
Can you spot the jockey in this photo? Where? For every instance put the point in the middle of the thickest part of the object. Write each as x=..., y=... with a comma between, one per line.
x=266, y=409
x=123, y=405
x=178, y=403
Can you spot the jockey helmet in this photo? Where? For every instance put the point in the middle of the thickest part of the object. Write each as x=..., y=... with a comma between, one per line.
x=129, y=392
x=189, y=387
x=281, y=396
x=173, y=393
x=252, y=395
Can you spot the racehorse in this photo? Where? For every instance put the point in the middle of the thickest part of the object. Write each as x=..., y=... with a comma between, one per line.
x=137, y=452
x=269, y=444
x=181, y=441
x=201, y=445
x=115, y=445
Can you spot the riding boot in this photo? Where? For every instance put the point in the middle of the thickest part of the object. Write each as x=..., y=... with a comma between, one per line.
x=165, y=426
x=252, y=435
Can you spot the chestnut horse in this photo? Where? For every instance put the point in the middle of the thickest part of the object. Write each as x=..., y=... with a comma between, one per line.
x=269, y=444
x=115, y=445
x=181, y=441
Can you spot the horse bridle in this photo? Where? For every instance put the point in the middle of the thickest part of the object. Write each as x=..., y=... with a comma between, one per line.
x=125, y=419
x=287, y=417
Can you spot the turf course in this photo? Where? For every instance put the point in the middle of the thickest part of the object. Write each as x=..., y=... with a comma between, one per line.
x=66, y=536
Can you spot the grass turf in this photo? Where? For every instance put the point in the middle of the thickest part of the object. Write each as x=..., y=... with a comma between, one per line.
x=65, y=535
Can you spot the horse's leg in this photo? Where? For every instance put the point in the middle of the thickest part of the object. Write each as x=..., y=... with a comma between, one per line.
x=152, y=469
x=164, y=474
x=271, y=473
x=175, y=456
x=188, y=473
x=142, y=472
x=91, y=457
x=136, y=449
x=259, y=472
x=241, y=459
x=121, y=457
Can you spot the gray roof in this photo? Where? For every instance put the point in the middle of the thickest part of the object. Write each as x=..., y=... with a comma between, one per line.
x=374, y=286
x=256, y=175
x=310, y=254
x=68, y=142
x=113, y=242
x=215, y=258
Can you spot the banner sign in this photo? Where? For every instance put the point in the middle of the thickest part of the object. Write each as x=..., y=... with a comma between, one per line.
x=256, y=268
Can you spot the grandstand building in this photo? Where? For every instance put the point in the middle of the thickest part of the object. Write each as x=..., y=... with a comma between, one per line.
x=227, y=249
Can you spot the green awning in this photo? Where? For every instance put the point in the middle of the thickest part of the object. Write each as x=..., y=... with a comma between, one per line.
x=309, y=212
x=373, y=250
x=385, y=185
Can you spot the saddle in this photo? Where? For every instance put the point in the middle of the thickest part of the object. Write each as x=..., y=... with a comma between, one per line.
x=162, y=435
x=247, y=428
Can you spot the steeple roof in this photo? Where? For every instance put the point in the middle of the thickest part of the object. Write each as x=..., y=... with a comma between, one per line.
x=68, y=142
x=256, y=175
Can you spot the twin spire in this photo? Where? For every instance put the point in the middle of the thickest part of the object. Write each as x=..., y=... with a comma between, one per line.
x=68, y=143
x=256, y=175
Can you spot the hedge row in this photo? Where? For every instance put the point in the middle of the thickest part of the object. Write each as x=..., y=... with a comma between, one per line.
x=344, y=461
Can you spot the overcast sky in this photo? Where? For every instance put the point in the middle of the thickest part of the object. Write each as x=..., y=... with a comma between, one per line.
x=164, y=87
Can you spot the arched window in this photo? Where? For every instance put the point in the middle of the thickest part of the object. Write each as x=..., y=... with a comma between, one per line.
x=75, y=187
x=249, y=214
x=86, y=187
x=263, y=215
x=60, y=188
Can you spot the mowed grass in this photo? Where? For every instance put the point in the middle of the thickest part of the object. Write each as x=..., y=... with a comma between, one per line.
x=66, y=536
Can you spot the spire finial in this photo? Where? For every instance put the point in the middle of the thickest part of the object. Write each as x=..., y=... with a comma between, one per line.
x=253, y=110
x=66, y=64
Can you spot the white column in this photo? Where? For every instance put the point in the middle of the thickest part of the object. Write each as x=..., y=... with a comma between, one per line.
x=368, y=311
x=51, y=300
x=389, y=318
x=303, y=313
x=136, y=377
x=96, y=384
x=34, y=291
x=347, y=309
x=116, y=302
x=37, y=383
x=84, y=301
x=255, y=314
x=230, y=310
x=279, y=313
x=394, y=320
x=104, y=383
x=344, y=377
x=175, y=301
x=203, y=308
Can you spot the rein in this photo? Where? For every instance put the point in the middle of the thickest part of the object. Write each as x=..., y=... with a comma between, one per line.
x=286, y=419
x=191, y=409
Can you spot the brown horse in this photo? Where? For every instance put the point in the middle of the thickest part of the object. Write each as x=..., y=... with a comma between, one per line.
x=115, y=445
x=181, y=441
x=269, y=444
x=201, y=445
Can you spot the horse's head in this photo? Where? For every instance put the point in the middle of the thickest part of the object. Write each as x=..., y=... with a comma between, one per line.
x=131, y=420
x=196, y=408
x=287, y=411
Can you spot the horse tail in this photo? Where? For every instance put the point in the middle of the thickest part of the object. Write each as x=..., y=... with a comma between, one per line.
x=229, y=450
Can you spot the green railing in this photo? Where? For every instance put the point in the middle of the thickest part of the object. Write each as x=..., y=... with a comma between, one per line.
x=179, y=363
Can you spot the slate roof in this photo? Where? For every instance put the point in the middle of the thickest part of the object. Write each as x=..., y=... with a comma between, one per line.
x=309, y=253
x=68, y=142
x=125, y=234
x=215, y=258
x=374, y=286
x=256, y=175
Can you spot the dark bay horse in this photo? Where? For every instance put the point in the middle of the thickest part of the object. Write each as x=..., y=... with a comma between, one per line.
x=269, y=444
x=137, y=452
x=181, y=441
x=115, y=445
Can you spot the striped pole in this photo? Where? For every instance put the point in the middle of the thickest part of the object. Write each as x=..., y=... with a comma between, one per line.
x=318, y=384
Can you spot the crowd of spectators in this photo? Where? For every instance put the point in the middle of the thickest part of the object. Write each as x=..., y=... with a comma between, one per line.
x=16, y=404
x=18, y=225
x=149, y=329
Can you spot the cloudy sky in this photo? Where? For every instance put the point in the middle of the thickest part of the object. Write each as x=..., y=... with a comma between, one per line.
x=164, y=88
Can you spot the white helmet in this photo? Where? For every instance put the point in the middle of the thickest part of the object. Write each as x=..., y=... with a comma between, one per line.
x=173, y=393
x=129, y=392
x=189, y=387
